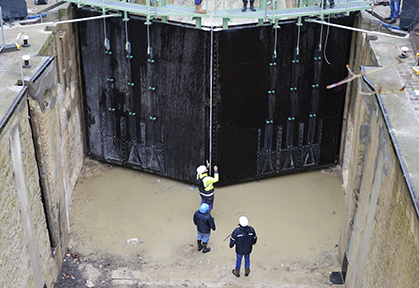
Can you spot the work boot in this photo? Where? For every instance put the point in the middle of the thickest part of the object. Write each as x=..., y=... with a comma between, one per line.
x=246, y=271
x=199, y=245
x=244, y=6
x=206, y=249
x=251, y=7
x=236, y=272
x=199, y=10
x=332, y=4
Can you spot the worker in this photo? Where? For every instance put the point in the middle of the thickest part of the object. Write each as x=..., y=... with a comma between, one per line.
x=204, y=223
x=198, y=7
x=243, y=237
x=394, y=11
x=332, y=4
x=252, y=8
x=205, y=184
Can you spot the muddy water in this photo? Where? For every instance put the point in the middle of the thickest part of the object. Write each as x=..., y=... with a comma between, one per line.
x=296, y=217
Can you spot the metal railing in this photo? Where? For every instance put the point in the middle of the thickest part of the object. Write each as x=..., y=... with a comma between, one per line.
x=227, y=10
x=2, y=30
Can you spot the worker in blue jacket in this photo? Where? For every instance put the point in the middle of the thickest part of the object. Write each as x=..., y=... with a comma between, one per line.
x=394, y=11
x=204, y=223
x=243, y=237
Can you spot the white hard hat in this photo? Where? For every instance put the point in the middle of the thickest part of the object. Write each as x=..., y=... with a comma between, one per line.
x=201, y=169
x=243, y=221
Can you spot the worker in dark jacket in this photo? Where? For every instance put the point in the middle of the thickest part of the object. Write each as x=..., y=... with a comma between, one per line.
x=243, y=237
x=204, y=223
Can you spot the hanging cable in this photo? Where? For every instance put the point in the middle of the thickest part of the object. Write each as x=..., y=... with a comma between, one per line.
x=107, y=44
x=149, y=50
x=276, y=39
x=325, y=44
x=127, y=43
x=67, y=21
x=357, y=29
x=104, y=26
x=211, y=91
x=294, y=73
x=321, y=37
x=151, y=87
x=298, y=41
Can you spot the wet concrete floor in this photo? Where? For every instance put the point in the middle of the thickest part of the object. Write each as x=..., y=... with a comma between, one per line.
x=118, y=213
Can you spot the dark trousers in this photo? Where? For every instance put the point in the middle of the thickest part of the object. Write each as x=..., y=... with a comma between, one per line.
x=209, y=202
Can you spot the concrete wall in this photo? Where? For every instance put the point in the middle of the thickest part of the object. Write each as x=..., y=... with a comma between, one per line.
x=380, y=231
x=41, y=156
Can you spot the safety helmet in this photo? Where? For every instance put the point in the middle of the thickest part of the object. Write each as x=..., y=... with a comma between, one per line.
x=201, y=169
x=243, y=221
x=203, y=208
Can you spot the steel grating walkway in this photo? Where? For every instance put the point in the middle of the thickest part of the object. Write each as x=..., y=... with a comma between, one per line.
x=265, y=11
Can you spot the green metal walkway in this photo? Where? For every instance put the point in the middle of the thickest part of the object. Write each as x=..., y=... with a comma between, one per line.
x=265, y=12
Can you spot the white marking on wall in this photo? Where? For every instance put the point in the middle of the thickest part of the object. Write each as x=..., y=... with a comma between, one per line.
x=25, y=209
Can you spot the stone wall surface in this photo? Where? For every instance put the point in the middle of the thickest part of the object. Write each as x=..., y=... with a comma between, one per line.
x=16, y=269
x=41, y=154
x=57, y=120
x=380, y=230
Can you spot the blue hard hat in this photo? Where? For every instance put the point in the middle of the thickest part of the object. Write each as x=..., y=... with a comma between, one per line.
x=203, y=208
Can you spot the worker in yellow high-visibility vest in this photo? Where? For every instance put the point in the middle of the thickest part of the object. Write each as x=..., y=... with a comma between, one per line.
x=205, y=185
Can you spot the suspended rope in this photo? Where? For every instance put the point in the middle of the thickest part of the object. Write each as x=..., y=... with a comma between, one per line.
x=293, y=94
x=149, y=49
x=356, y=29
x=127, y=43
x=151, y=88
x=267, y=147
x=321, y=37
x=298, y=40
x=271, y=91
x=276, y=39
x=294, y=74
x=325, y=44
x=211, y=97
x=107, y=44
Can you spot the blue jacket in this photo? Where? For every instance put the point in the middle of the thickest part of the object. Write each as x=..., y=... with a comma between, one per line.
x=203, y=222
x=243, y=238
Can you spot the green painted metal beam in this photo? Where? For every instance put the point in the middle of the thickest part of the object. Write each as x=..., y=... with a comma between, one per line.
x=266, y=12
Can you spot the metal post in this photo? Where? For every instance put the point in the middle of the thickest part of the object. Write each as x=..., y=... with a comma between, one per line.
x=2, y=30
x=198, y=22
x=21, y=69
x=163, y=4
x=155, y=9
x=225, y=23
x=126, y=18
x=266, y=10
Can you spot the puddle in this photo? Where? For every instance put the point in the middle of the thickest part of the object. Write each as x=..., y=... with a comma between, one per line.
x=122, y=211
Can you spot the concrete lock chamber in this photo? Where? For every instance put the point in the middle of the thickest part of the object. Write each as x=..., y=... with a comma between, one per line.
x=165, y=97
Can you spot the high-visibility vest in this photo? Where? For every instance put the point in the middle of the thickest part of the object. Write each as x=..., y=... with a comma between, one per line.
x=207, y=182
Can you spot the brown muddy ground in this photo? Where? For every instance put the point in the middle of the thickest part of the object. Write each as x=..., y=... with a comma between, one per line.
x=133, y=229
